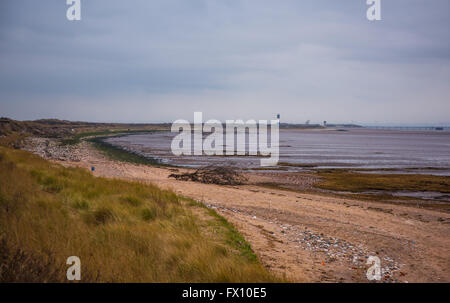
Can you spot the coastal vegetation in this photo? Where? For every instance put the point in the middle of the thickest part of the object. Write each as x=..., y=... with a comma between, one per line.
x=69, y=132
x=75, y=139
x=345, y=180
x=121, y=231
x=118, y=154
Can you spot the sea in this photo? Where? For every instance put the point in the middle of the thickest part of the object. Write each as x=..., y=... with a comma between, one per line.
x=368, y=149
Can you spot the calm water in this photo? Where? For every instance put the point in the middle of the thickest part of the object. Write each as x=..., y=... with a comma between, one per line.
x=351, y=148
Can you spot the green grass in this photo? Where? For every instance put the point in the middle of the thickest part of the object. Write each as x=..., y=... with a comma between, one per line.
x=232, y=236
x=122, y=231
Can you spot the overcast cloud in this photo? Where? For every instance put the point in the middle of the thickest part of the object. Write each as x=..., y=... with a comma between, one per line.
x=154, y=61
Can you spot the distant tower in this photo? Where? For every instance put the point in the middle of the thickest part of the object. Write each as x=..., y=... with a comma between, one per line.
x=325, y=123
x=278, y=116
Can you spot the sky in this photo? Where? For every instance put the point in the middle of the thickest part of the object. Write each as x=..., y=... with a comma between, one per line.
x=162, y=60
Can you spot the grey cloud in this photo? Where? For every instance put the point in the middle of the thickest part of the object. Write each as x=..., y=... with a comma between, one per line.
x=152, y=60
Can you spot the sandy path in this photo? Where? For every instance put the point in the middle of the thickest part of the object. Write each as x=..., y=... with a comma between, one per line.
x=311, y=238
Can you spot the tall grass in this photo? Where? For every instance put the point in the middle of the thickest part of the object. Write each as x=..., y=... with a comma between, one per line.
x=122, y=231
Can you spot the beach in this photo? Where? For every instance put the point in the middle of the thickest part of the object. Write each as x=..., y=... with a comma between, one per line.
x=304, y=236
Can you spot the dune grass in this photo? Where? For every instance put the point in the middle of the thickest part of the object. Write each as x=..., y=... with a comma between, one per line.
x=122, y=231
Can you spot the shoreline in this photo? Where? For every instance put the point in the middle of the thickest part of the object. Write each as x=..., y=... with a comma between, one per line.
x=157, y=146
x=435, y=198
x=308, y=237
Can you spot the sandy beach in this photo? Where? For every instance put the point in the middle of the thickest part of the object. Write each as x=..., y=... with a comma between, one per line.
x=302, y=236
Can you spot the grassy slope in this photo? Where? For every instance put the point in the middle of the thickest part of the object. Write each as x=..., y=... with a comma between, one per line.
x=122, y=231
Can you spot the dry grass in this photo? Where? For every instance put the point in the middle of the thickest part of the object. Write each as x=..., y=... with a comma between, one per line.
x=122, y=231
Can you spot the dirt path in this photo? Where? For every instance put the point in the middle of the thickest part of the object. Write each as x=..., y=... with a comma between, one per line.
x=313, y=238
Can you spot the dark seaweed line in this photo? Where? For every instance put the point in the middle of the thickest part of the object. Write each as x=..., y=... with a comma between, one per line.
x=120, y=154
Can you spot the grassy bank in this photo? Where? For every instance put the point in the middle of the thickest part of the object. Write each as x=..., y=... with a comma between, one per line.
x=122, y=231
x=343, y=180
